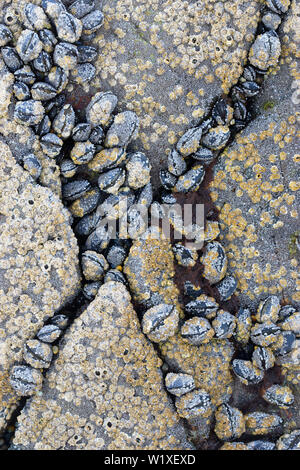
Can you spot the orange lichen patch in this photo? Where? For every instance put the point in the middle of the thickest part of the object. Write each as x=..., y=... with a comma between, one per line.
x=258, y=178
x=150, y=270
x=105, y=389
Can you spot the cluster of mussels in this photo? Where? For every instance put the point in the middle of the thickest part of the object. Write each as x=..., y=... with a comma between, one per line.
x=102, y=181
x=45, y=54
x=268, y=337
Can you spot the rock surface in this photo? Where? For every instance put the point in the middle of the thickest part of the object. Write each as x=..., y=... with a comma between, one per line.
x=256, y=185
x=39, y=270
x=169, y=60
x=105, y=390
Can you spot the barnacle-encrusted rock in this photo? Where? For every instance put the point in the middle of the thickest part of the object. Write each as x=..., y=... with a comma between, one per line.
x=230, y=423
x=257, y=194
x=209, y=364
x=279, y=395
x=160, y=322
x=107, y=394
x=39, y=268
x=150, y=270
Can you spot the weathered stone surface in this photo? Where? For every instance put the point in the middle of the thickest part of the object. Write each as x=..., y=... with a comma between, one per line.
x=256, y=189
x=150, y=270
x=105, y=390
x=38, y=268
x=209, y=364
